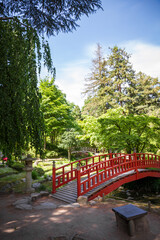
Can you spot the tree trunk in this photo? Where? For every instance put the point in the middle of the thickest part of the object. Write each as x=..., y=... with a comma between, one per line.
x=69, y=154
x=44, y=142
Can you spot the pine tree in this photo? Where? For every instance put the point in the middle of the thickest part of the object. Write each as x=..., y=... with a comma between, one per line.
x=111, y=83
x=95, y=83
x=123, y=77
x=147, y=95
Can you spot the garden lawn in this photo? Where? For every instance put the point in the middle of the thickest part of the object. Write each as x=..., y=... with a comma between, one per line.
x=6, y=170
x=11, y=178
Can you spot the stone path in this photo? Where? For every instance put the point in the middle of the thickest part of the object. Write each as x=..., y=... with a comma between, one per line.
x=30, y=202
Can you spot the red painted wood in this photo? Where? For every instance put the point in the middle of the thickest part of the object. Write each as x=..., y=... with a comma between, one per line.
x=53, y=178
x=99, y=169
x=127, y=179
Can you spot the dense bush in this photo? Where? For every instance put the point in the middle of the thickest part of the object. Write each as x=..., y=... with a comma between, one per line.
x=34, y=175
x=42, y=187
x=51, y=147
x=54, y=151
x=17, y=166
x=78, y=155
x=51, y=154
x=39, y=171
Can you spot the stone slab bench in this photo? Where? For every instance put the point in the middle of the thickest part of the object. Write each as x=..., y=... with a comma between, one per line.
x=131, y=219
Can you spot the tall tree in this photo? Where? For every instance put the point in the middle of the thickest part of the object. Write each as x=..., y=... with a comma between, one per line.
x=122, y=75
x=69, y=140
x=76, y=112
x=96, y=81
x=147, y=95
x=21, y=22
x=55, y=108
x=111, y=82
x=20, y=115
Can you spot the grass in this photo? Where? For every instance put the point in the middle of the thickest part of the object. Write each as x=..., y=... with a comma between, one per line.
x=7, y=170
x=11, y=178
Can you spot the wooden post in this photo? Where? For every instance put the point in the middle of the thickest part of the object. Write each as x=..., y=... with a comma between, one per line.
x=78, y=180
x=135, y=159
x=110, y=154
x=54, y=177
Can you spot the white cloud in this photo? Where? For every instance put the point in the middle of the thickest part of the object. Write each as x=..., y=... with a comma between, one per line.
x=70, y=80
x=144, y=57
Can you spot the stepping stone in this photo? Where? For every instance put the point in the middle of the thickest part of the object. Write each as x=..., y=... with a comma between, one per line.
x=46, y=205
x=25, y=200
x=24, y=206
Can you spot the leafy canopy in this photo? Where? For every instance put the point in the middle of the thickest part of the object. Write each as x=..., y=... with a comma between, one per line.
x=48, y=16
x=55, y=108
x=119, y=132
x=20, y=115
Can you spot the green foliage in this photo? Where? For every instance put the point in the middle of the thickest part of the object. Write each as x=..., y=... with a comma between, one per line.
x=76, y=112
x=51, y=154
x=147, y=95
x=20, y=115
x=79, y=155
x=18, y=166
x=91, y=133
x=113, y=83
x=56, y=110
x=6, y=170
x=117, y=131
x=39, y=171
x=49, y=16
x=126, y=132
x=69, y=140
x=42, y=187
x=34, y=175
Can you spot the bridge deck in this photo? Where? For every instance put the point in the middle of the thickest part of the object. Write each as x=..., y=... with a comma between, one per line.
x=68, y=193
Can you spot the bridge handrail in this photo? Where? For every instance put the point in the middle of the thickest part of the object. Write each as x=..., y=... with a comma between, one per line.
x=70, y=175
x=83, y=159
x=136, y=161
x=113, y=159
x=100, y=163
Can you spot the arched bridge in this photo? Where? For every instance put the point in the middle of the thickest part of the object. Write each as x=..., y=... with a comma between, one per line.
x=97, y=175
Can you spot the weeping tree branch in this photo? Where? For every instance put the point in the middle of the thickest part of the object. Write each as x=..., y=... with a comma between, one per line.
x=12, y=18
x=6, y=18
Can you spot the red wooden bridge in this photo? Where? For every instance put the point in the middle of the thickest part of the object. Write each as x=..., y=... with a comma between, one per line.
x=98, y=175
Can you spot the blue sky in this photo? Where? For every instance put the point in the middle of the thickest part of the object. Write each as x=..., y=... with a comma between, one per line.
x=130, y=24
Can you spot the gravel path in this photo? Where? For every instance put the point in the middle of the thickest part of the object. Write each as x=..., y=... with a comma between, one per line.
x=84, y=223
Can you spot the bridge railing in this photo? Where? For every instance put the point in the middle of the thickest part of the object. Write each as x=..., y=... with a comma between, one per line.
x=90, y=178
x=68, y=172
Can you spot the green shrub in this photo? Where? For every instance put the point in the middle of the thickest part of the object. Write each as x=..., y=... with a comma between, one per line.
x=51, y=147
x=40, y=171
x=42, y=187
x=51, y=154
x=10, y=163
x=34, y=175
x=18, y=166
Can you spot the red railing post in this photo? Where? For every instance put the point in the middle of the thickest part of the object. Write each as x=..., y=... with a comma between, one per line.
x=54, y=177
x=78, y=180
x=135, y=159
x=110, y=154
